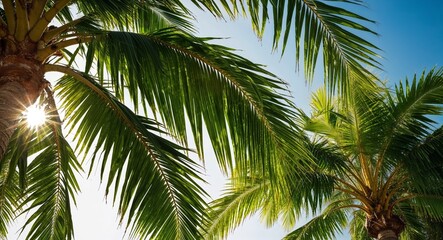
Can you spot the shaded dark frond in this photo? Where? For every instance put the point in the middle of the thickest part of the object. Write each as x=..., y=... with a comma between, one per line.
x=426, y=159
x=154, y=182
x=415, y=228
x=411, y=109
x=139, y=16
x=428, y=206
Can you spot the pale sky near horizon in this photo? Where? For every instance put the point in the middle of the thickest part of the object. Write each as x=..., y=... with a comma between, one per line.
x=411, y=37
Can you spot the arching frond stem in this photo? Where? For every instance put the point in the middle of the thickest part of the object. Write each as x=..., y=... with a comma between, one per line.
x=394, y=189
x=396, y=202
x=39, y=28
x=22, y=27
x=36, y=11
x=358, y=195
x=365, y=170
x=48, y=51
x=54, y=33
x=353, y=172
x=388, y=183
x=353, y=188
x=10, y=15
x=363, y=208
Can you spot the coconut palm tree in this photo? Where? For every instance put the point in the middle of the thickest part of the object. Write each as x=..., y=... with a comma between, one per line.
x=378, y=171
x=125, y=64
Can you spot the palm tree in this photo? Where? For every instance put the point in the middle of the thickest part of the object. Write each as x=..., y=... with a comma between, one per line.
x=124, y=64
x=378, y=171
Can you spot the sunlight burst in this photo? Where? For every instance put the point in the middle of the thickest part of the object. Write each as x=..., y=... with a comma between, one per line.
x=35, y=116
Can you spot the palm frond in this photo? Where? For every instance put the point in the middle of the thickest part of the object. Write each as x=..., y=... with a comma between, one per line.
x=426, y=159
x=324, y=226
x=357, y=226
x=10, y=194
x=164, y=68
x=315, y=26
x=415, y=228
x=51, y=184
x=154, y=180
x=411, y=109
x=236, y=204
x=139, y=16
x=428, y=206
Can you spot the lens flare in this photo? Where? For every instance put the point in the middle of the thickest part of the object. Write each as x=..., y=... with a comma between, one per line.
x=35, y=116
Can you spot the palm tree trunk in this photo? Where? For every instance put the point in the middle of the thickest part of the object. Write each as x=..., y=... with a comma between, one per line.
x=387, y=235
x=12, y=100
x=21, y=82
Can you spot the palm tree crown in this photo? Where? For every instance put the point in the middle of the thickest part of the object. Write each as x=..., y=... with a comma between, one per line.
x=379, y=164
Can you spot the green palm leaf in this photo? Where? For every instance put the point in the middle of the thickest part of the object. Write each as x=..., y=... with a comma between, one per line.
x=162, y=69
x=140, y=16
x=357, y=226
x=10, y=193
x=317, y=26
x=410, y=122
x=236, y=204
x=324, y=226
x=51, y=184
x=143, y=164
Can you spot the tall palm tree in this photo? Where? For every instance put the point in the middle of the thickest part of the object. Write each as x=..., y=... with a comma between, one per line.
x=124, y=60
x=378, y=171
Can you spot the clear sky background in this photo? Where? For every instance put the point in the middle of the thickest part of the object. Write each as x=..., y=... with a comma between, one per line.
x=410, y=35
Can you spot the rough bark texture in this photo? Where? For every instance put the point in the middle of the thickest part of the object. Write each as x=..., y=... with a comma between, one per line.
x=387, y=235
x=384, y=226
x=21, y=82
x=11, y=95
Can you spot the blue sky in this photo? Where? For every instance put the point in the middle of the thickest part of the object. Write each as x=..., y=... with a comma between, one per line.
x=410, y=35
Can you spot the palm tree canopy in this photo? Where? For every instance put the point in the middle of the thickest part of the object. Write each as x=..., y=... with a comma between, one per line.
x=378, y=156
x=136, y=84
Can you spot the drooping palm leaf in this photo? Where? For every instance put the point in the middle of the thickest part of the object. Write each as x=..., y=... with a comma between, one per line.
x=163, y=70
x=357, y=229
x=51, y=183
x=141, y=164
x=317, y=26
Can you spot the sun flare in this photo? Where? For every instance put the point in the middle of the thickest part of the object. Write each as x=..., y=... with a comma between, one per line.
x=35, y=116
